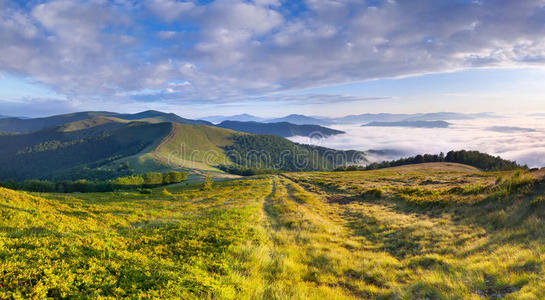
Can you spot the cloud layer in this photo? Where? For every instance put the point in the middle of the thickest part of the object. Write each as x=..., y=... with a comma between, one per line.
x=526, y=145
x=229, y=49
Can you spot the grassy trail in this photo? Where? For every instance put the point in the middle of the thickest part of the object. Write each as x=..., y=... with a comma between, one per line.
x=293, y=236
x=405, y=249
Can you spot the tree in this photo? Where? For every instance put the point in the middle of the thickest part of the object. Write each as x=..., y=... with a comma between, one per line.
x=174, y=177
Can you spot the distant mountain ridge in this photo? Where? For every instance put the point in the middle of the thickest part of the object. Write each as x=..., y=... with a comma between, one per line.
x=411, y=124
x=240, y=118
x=283, y=129
x=300, y=120
x=355, y=119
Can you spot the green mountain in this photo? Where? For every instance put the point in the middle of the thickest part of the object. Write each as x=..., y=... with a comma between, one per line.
x=283, y=129
x=106, y=147
x=73, y=149
x=27, y=125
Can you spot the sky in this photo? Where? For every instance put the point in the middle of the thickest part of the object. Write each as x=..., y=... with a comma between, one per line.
x=272, y=57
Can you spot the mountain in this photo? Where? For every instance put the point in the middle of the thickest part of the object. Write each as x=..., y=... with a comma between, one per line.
x=241, y=118
x=107, y=147
x=386, y=117
x=27, y=125
x=300, y=120
x=56, y=151
x=510, y=129
x=444, y=116
x=413, y=124
x=154, y=116
x=365, y=118
x=283, y=129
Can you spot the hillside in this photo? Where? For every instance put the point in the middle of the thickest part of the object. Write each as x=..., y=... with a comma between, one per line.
x=206, y=147
x=71, y=149
x=107, y=147
x=27, y=125
x=437, y=231
x=410, y=124
x=283, y=129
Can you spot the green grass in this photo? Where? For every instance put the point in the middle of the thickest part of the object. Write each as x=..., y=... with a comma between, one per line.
x=438, y=232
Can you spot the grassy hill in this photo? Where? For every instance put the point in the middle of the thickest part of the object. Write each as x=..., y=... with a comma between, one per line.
x=73, y=149
x=27, y=125
x=432, y=231
x=106, y=147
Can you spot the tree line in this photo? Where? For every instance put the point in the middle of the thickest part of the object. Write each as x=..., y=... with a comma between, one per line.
x=483, y=161
x=146, y=180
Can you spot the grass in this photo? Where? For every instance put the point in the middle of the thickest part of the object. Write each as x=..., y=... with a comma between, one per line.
x=444, y=232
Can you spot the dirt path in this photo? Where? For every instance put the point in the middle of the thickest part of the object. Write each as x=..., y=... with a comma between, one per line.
x=165, y=141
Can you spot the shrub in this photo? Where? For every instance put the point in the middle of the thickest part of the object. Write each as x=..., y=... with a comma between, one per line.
x=207, y=184
x=152, y=179
x=174, y=177
x=166, y=193
x=374, y=193
x=129, y=181
x=145, y=191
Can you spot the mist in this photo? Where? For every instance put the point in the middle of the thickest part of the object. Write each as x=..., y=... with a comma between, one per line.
x=518, y=137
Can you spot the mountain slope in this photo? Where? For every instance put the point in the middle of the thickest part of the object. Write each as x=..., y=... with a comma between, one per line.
x=283, y=129
x=56, y=151
x=206, y=148
x=105, y=147
x=27, y=125
x=154, y=116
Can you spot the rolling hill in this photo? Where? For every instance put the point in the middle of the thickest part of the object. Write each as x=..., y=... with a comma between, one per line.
x=27, y=125
x=283, y=129
x=105, y=147
x=73, y=149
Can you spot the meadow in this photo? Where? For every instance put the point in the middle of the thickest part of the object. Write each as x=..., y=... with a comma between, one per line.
x=429, y=231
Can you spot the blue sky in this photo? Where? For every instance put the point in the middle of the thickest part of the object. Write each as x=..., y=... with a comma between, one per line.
x=272, y=57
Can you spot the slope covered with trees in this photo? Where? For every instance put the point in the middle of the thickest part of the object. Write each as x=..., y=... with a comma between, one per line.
x=482, y=161
x=63, y=150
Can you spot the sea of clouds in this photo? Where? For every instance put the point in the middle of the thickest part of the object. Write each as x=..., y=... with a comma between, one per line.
x=516, y=137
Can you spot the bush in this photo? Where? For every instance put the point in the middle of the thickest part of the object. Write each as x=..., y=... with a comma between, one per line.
x=207, y=184
x=129, y=181
x=152, y=179
x=166, y=193
x=374, y=193
x=174, y=177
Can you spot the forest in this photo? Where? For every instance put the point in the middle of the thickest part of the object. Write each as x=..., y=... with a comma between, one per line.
x=483, y=161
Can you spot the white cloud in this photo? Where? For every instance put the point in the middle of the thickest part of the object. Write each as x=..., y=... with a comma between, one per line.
x=240, y=48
